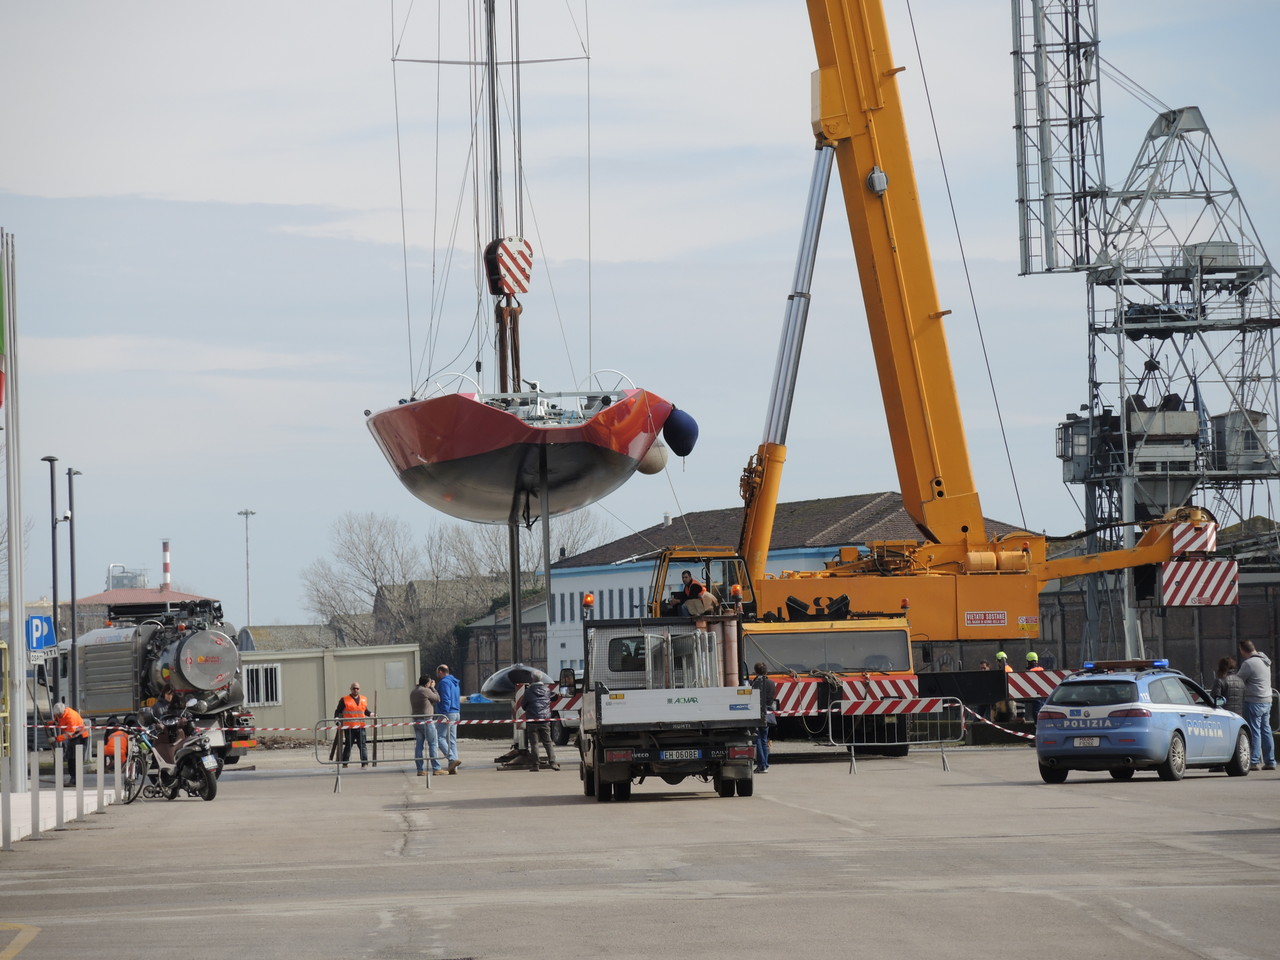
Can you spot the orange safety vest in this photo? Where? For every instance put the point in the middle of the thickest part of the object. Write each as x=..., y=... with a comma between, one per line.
x=116, y=745
x=353, y=707
x=1036, y=669
x=71, y=724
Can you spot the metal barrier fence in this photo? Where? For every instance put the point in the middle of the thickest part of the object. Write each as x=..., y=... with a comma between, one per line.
x=388, y=740
x=892, y=727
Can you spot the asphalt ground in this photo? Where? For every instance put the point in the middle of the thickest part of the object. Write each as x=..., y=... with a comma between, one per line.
x=902, y=859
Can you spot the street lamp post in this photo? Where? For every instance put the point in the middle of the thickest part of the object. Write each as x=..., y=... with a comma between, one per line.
x=248, y=605
x=53, y=527
x=71, y=536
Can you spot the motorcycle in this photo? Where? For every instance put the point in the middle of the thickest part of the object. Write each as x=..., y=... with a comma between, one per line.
x=177, y=757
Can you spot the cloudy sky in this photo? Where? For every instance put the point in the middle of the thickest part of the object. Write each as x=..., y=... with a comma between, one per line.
x=206, y=202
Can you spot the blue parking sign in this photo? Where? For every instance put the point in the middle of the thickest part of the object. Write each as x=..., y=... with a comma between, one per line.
x=40, y=633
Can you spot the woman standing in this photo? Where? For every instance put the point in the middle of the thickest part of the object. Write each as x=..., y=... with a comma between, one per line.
x=1229, y=687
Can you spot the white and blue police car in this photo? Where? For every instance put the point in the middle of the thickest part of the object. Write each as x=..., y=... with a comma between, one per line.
x=1122, y=716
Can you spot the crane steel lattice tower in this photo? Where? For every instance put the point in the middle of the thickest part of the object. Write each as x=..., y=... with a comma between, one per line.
x=1181, y=307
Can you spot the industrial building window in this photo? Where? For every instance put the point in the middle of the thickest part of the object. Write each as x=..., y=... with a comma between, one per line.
x=262, y=685
x=551, y=610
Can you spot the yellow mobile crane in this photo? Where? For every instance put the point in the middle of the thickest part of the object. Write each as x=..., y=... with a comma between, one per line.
x=844, y=626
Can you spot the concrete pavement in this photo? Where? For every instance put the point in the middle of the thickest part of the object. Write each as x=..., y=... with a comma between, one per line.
x=902, y=859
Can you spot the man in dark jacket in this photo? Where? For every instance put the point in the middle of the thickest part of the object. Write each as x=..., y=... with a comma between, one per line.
x=536, y=703
x=1255, y=671
x=768, y=693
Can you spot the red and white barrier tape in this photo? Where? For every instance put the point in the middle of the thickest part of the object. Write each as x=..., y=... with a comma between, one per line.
x=989, y=723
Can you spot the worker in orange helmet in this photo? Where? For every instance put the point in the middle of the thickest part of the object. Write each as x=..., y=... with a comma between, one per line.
x=70, y=731
x=1033, y=666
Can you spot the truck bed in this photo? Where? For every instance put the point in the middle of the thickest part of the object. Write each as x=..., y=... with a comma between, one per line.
x=686, y=708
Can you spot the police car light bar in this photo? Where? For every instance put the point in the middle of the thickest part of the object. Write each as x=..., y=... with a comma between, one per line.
x=1106, y=666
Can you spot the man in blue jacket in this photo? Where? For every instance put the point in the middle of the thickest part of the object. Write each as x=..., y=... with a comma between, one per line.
x=451, y=707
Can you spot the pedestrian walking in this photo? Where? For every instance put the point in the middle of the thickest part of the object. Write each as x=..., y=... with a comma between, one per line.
x=451, y=707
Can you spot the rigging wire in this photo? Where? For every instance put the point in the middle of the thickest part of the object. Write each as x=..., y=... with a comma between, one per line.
x=487, y=193
x=964, y=260
x=1132, y=87
x=584, y=41
x=404, y=235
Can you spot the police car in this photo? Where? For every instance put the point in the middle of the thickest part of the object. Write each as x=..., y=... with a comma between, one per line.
x=1124, y=716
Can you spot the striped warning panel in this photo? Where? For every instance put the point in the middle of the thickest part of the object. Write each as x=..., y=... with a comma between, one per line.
x=799, y=697
x=1035, y=684
x=1199, y=583
x=515, y=264
x=1195, y=538
x=571, y=702
x=899, y=687
x=877, y=708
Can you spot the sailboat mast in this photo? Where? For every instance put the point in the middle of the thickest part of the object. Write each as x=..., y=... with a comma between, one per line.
x=506, y=308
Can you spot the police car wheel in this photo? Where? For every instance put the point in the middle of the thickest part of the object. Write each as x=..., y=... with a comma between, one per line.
x=1175, y=764
x=1053, y=774
x=1121, y=773
x=1238, y=765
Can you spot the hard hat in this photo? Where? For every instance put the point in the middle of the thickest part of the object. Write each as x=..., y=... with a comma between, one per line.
x=1002, y=655
x=1032, y=656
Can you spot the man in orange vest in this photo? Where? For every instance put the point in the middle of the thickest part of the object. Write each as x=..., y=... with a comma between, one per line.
x=352, y=709
x=70, y=732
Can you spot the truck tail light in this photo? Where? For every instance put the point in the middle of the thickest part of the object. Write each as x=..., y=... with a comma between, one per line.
x=743, y=753
x=618, y=756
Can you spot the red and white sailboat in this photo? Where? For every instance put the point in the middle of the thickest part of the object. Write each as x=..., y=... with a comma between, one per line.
x=514, y=455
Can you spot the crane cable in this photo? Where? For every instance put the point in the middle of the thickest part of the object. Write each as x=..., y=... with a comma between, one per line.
x=964, y=261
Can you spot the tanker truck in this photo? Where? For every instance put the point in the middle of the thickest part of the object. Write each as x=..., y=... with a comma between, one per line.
x=122, y=668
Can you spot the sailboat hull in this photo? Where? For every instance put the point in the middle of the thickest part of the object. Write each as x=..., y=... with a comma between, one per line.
x=476, y=461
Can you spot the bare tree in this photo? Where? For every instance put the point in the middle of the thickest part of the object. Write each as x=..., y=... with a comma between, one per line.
x=480, y=551
x=381, y=586
x=362, y=589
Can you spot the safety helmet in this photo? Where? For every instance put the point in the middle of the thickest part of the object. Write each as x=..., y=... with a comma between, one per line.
x=1032, y=656
x=1002, y=655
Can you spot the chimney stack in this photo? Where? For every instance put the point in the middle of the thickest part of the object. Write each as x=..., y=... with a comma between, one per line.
x=165, y=586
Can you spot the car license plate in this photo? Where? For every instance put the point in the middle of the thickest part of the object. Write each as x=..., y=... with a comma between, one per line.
x=1086, y=741
x=210, y=761
x=681, y=754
